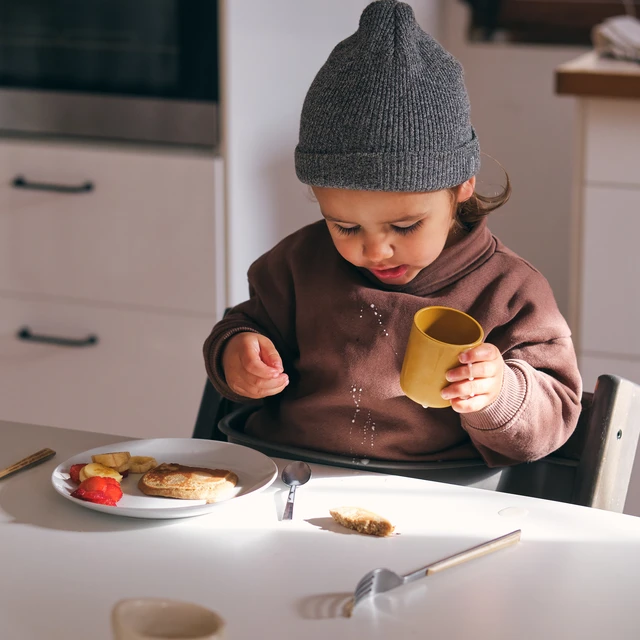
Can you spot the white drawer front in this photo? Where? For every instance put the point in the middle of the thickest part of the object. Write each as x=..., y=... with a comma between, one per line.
x=143, y=378
x=145, y=235
x=610, y=310
x=612, y=137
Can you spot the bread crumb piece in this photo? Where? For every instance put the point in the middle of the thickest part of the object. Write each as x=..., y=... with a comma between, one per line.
x=362, y=521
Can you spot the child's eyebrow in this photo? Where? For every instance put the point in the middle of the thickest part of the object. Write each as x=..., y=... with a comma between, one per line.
x=412, y=218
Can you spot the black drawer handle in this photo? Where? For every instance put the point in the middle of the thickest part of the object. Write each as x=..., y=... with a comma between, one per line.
x=19, y=182
x=25, y=334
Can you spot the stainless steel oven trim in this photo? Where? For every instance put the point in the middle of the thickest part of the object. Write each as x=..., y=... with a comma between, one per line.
x=107, y=116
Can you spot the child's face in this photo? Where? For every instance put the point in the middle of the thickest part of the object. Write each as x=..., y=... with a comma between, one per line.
x=393, y=235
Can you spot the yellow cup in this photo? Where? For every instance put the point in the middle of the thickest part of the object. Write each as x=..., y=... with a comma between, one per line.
x=438, y=336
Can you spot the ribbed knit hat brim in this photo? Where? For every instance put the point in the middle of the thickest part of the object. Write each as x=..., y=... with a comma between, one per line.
x=387, y=171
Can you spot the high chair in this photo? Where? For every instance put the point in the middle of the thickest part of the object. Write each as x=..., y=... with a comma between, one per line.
x=593, y=468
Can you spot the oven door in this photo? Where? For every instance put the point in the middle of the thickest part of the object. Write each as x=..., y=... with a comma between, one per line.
x=145, y=70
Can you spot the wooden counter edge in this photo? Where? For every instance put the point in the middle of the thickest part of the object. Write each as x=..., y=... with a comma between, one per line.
x=592, y=76
x=597, y=85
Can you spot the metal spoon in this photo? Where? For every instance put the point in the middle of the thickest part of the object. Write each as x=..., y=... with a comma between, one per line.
x=294, y=475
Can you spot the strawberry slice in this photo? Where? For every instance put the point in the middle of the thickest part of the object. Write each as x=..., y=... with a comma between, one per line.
x=98, y=483
x=113, y=491
x=98, y=497
x=99, y=490
x=74, y=472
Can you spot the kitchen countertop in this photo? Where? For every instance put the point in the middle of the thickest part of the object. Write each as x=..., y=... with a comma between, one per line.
x=592, y=76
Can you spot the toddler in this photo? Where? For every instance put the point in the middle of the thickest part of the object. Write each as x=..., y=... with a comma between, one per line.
x=387, y=146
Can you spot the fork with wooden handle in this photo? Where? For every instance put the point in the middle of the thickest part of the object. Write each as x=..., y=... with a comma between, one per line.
x=381, y=580
x=31, y=461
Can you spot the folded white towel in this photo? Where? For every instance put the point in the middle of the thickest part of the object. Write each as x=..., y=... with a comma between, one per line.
x=618, y=37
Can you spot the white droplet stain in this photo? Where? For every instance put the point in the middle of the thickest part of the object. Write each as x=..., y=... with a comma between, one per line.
x=356, y=395
x=368, y=429
x=513, y=512
x=425, y=406
x=378, y=316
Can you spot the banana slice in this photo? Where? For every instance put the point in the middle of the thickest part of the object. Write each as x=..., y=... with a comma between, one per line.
x=123, y=467
x=117, y=460
x=141, y=464
x=97, y=469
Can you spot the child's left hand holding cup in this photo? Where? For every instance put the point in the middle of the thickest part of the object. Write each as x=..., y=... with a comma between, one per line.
x=478, y=381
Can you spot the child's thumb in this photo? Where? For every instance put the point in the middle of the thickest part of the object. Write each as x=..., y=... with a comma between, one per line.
x=268, y=353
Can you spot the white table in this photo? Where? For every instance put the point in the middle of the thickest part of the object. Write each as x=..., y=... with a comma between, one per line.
x=575, y=574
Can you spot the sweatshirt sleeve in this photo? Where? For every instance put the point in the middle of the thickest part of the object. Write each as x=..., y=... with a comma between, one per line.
x=540, y=401
x=270, y=311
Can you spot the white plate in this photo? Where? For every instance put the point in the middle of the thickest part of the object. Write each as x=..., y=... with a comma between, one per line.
x=255, y=472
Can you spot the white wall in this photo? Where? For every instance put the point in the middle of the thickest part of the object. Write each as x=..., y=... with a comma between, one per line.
x=271, y=53
x=529, y=130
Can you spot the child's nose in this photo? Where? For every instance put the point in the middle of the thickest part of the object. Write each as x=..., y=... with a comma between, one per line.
x=377, y=251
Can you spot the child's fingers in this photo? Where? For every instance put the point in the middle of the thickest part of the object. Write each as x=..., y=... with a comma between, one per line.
x=269, y=354
x=469, y=405
x=251, y=386
x=486, y=369
x=253, y=364
x=469, y=388
x=483, y=352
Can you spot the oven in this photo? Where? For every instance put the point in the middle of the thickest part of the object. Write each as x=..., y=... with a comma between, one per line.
x=138, y=70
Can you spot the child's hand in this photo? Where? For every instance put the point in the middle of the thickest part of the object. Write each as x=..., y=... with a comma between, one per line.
x=252, y=366
x=477, y=383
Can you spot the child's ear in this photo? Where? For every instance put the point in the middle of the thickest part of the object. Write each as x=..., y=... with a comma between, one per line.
x=466, y=189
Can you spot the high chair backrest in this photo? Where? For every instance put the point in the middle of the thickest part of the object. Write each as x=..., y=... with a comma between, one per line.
x=592, y=469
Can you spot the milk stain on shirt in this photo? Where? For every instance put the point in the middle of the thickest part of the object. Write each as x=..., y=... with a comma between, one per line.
x=369, y=427
x=378, y=317
x=356, y=394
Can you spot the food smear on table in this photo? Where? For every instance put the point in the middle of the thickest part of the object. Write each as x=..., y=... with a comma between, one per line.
x=362, y=521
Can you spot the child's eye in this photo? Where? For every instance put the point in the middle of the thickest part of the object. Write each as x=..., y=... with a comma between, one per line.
x=346, y=231
x=406, y=230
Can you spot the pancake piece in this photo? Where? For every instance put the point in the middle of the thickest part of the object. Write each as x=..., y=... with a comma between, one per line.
x=362, y=521
x=173, y=480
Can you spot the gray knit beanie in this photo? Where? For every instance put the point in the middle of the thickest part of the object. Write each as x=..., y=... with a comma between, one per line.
x=388, y=111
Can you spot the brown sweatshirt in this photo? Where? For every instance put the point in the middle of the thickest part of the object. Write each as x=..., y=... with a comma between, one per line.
x=341, y=335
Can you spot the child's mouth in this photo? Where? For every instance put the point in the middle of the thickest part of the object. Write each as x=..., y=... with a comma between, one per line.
x=390, y=274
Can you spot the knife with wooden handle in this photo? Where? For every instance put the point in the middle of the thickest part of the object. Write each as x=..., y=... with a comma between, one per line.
x=31, y=461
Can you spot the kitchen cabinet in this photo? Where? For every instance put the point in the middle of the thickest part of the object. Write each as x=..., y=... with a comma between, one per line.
x=605, y=304
x=605, y=309
x=119, y=242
